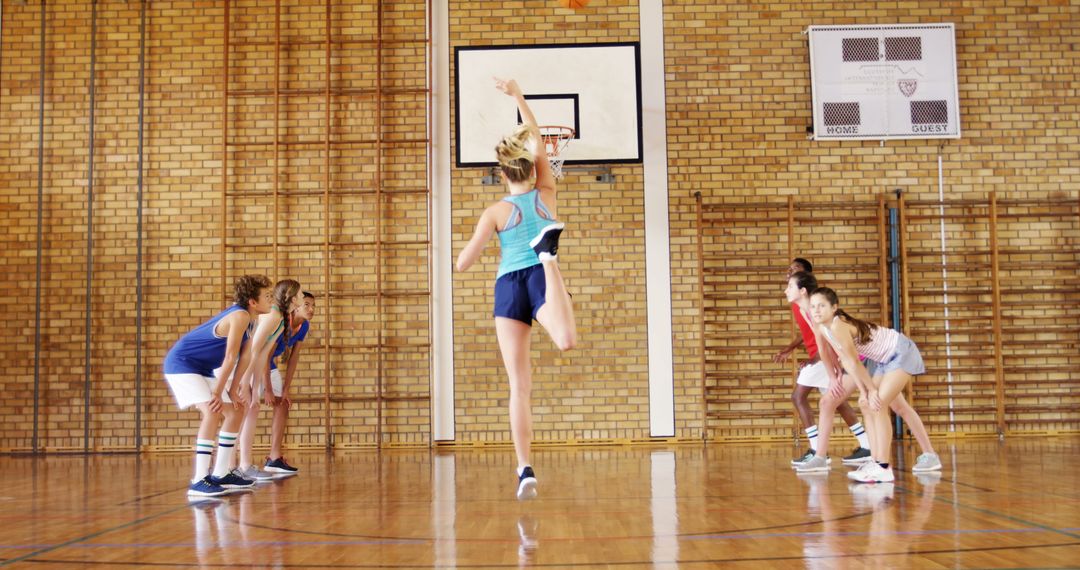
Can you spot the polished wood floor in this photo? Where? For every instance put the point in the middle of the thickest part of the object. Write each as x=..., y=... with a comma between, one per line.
x=996, y=505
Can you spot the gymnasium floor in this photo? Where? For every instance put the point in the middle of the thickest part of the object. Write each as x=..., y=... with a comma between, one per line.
x=996, y=505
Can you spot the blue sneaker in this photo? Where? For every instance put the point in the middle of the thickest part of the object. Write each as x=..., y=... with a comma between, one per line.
x=206, y=488
x=231, y=481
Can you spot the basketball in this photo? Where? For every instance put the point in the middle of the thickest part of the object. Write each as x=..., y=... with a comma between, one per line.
x=574, y=4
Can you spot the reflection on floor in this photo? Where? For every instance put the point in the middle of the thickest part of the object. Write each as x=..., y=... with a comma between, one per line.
x=1010, y=504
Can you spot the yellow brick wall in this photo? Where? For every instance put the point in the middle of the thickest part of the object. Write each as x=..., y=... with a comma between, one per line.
x=737, y=88
x=738, y=98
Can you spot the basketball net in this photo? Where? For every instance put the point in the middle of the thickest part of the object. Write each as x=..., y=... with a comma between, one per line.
x=556, y=139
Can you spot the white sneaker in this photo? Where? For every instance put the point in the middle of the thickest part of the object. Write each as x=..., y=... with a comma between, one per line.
x=862, y=467
x=526, y=484
x=874, y=473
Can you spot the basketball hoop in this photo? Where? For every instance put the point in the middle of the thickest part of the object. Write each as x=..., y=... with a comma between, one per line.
x=556, y=139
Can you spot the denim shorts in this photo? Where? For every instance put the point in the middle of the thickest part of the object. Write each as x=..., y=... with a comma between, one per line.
x=520, y=294
x=906, y=357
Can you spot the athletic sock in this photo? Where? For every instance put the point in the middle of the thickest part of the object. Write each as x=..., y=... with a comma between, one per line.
x=226, y=443
x=811, y=434
x=883, y=465
x=859, y=432
x=204, y=448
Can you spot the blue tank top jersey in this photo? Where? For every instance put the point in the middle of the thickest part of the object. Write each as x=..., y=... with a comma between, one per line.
x=279, y=347
x=201, y=350
x=523, y=225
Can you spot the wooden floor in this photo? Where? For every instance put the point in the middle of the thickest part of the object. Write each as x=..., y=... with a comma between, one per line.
x=1009, y=505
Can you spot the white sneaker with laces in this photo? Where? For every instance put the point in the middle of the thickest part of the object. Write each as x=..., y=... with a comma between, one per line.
x=874, y=473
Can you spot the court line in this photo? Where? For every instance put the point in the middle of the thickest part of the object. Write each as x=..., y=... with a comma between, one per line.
x=993, y=513
x=151, y=496
x=725, y=536
x=637, y=537
x=128, y=524
x=711, y=561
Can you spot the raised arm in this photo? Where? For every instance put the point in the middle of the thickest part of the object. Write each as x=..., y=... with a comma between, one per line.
x=545, y=180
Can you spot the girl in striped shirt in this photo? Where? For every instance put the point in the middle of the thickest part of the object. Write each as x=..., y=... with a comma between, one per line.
x=892, y=360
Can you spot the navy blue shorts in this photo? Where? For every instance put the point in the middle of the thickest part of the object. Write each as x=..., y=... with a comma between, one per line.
x=520, y=294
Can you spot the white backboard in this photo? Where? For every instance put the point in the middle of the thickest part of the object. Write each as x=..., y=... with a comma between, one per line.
x=594, y=88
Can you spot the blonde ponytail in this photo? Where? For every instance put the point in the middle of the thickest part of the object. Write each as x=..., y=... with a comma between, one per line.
x=515, y=158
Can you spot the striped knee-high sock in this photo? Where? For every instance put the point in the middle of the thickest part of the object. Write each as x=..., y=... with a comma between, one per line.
x=811, y=434
x=226, y=447
x=204, y=448
x=859, y=432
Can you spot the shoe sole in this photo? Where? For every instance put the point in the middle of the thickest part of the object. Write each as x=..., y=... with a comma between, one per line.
x=814, y=470
x=192, y=493
x=231, y=486
x=795, y=465
x=526, y=489
x=850, y=476
x=927, y=469
x=547, y=229
x=277, y=470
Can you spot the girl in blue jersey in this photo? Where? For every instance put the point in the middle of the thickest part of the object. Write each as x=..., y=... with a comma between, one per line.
x=197, y=368
x=289, y=351
x=529, y=284
x=272, y=326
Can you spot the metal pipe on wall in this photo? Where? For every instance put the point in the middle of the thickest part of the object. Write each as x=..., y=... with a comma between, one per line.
x=894, y=276
x=139, y=231
x=40, y=237
x=89, y=230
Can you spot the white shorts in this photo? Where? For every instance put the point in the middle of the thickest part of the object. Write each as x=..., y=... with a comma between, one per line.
x=276, y=383
x=814, y=376
x=192, y=389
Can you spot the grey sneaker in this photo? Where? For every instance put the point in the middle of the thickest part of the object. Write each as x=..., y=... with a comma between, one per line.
x=815, y=464
x=805, y=457
x=927, y=462
x=255, y=474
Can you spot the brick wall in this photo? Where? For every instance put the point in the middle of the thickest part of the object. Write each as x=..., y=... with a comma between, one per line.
x=738, y=106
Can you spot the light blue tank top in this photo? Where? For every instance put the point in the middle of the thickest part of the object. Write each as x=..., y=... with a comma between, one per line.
x=521, y=227
x=200, y=351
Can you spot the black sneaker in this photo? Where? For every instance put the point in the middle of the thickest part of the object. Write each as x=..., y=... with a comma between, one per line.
x=526, y=484
x=803, y=459
x=858, y=457
x=546, y=244
x=279, y=466
x=231, y=481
